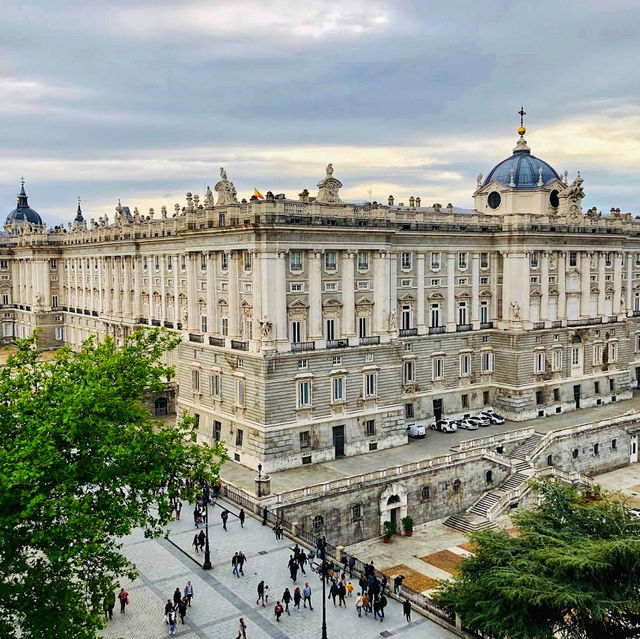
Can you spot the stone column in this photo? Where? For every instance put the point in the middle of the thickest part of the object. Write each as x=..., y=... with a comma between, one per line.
x=212, y=316
x=420, y=316
x=451, y=292
x=46, y=284
x=176, y=291
x=280, y=310
x=544, y=287
x=137, y=289
x=380, y=293
x=100, y=285
x=617, y=283
x=494, y=286
x=85, y=277
x=585, y=284
x=150, y=270
x=602, y=284
x=107, y=285
x=33, y=265
x=163, y=289
x=629, y=287
x=348, y=295
x=126, y=307
x=15, y=282
x=562, y=288
x=117, y=285
x=234, y=296
x=475, y=291
x=315, y=294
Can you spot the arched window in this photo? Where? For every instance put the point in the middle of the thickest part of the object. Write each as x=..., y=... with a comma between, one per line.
x=160, y=407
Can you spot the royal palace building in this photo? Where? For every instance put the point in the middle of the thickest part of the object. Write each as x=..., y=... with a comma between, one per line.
x=313, y=328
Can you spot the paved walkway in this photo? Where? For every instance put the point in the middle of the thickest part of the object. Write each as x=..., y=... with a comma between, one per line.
x=434, y=444
x=220, y=598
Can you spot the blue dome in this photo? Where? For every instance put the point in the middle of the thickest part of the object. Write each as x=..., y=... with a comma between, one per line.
x=525, y=170
x=23, y=212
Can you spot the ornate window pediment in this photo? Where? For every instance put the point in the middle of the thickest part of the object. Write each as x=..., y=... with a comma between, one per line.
x=406, y=298
x=297, y=305
x=332, y=303
x=485, y=293
x=435, y=296
x=364, y=301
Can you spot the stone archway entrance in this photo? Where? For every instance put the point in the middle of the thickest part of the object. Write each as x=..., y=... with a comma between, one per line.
x=161, y=407
x=393, y=504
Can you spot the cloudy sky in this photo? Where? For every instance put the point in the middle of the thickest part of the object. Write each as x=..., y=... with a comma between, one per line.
x=145, y=100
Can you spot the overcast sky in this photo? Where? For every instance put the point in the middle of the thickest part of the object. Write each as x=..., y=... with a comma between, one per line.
x=144, y=101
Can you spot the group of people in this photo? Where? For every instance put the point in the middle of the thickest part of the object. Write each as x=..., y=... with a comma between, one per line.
x=297, y=561
x=177, y=606
x=282, y=605
x=110, y=603
x=237, y=563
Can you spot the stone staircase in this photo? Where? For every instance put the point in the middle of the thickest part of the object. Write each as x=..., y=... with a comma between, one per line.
x=526, y=447
x=465, y=522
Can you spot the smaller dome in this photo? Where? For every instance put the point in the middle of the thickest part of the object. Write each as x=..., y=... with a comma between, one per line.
x=23, y=212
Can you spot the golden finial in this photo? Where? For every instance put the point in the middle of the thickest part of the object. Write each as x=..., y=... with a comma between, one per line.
x=522, y=113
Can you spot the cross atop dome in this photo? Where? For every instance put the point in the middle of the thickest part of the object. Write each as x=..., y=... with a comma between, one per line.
x=522, y=130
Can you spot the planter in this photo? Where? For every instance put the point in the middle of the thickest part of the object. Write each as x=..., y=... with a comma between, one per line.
x=409, y=533
x=386, y=540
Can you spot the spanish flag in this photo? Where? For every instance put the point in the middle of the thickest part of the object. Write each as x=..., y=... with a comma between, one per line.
x=258, y=194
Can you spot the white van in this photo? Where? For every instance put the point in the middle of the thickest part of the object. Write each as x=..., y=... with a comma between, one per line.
x=418, y=431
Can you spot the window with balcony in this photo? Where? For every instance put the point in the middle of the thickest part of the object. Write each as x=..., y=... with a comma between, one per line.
x=484, y=312
x=295, y=260
x=330, y=261
x=462, y=313
x=462, y=261
x=435, y=261
x=296, y=332
x=363, y=260
x=405, y=261
x=203, y=323
x=434, y=315
x=330, y=329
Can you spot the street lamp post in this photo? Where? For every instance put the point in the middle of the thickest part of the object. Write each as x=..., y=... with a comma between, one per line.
x=324, y=595
x=207, y=554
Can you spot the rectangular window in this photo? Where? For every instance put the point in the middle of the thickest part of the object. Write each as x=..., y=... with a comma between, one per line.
x=435, y=282
x=575, y=356
x=462, y=281
x=462, y=261
x=370, y=384
x=405, y=283
x=337, y=389
x=330, y=326
x=573, y=258
x=557, y=360
x=409, y=373
x=240, y=392
x=484, y=260
x=195, y=380
x=4, y=264
x=145, y=262
x=330, y=286
x=59, y=333
x=356, y=512
x=362, y=327
x=435, y=315
x=305, y=441
x=437, y=368
x=169, y=263
x=464, y=399
x=336, y=360
x=196, y=417
x=304, y=393
x=435, y=261
x=303, y=364
x=485, y=398
x=216, y=385
x=52, y=263
x=5, y=299
x=613, y=352
x=533, y=260
x=295, y=260
x=487, y=362
x=248, y=260
x=330, y=260
x=363, y=260
x=157, y=261
x=203, y=323
x=54, y=301
x=406, y=261
x=556, y=394
x=296, y=332
x=370, y=427
x=224, y=330
x=465, y=365
x=363, y=285
x=607, y=259
x=484, y=312
x=409, y=411
x=239, y=436
x=296, y=287
x=597, y=354
x=221, y=219
x=217, y=430
x=596, y=388
x=462, y=313
x=539, y=361
x=539, y=398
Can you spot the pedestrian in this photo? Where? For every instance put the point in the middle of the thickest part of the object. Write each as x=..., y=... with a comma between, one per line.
x=345, y=562
x=383, y=605
x=352, y=565
x=109, y=604
x=264, y=516
x=302, y=560
x=342, y=591
x=196, y=543
x=359, y=604
x=397, y=583
x=406, y=608
x=350, y=589
x=377, y=609
x=241, y=560
x=362, y=582
x=241, y=517
x=276, y=530
x=365, y=603
x=293, y=568
x=201, y=539
x=235, y=565
x=123, y=595
x=267, y=592
x=171, y=618
x=182, y=609
x=176, y=596
x=224, y=515
x=333, y=591
x=278, y=610
x=297, y=598
x=196, y=516
x=306, y=595
x=286, y=598
x=242, y=629
x=168, y=607
x=178, y=509
x=383, y=584
x=188, y=592
x=260, y=594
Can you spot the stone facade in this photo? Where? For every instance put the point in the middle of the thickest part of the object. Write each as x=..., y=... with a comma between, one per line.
x=313, y=328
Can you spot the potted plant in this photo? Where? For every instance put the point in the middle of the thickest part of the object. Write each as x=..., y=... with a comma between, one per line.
x=389, y=528
x=407, y=524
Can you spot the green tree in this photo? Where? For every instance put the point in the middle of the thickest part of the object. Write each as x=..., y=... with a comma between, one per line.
x=82, y=462
x=573, y=572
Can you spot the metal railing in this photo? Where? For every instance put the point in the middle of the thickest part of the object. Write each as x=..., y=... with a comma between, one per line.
x=461, y=328
x=407, y=332
x=216, y=341
x=337, y=343
x=433, y=330
x=296, y=347
x=371, y=339
x=486, y=324
x=196, y=337
x=239, y=346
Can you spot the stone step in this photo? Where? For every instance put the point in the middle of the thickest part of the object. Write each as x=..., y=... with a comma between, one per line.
x=484, y=504
x=513, y=482
x=524, y=465
x=468, y=523
x=526, y=447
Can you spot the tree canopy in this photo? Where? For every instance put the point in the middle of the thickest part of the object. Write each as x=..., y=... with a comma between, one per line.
x=82, y=463
x=572, y=571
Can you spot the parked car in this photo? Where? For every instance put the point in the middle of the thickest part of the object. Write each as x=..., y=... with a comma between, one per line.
x=417, y=430
x=481, y=420
x=495, y=418
x=467, y=424
x=445, y=425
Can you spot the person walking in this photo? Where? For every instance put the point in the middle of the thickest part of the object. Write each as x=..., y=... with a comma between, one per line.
x=302, y=560
x=260, y=598
x=168, y=607
x=235, y=565
x=293, y=568
x=267, y=592
x=241, y=560
x=241, y=517
x=297, y=598
x=188, y=593
x=201, y=539
x=397, y=583
x=172, y=619
x=333, y=591
x=286, y=598
x=383, y=605
x=365, y=603
x=123, y=595
x=182, y=609
x=352, y=565
x=109, y=605
x=178, y=509
x=342, y=591
x=224, y=515
x=176, y=596
x=359, y=604
x=242, y=629
x=406, y=609
x=350, y=589
x=278, y=610
x=196, y=543
x=264, y=516
x=377, y=610
x=306, y=595
x=196, y=516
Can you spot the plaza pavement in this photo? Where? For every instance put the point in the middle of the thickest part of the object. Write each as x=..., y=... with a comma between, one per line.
x=220, y=598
